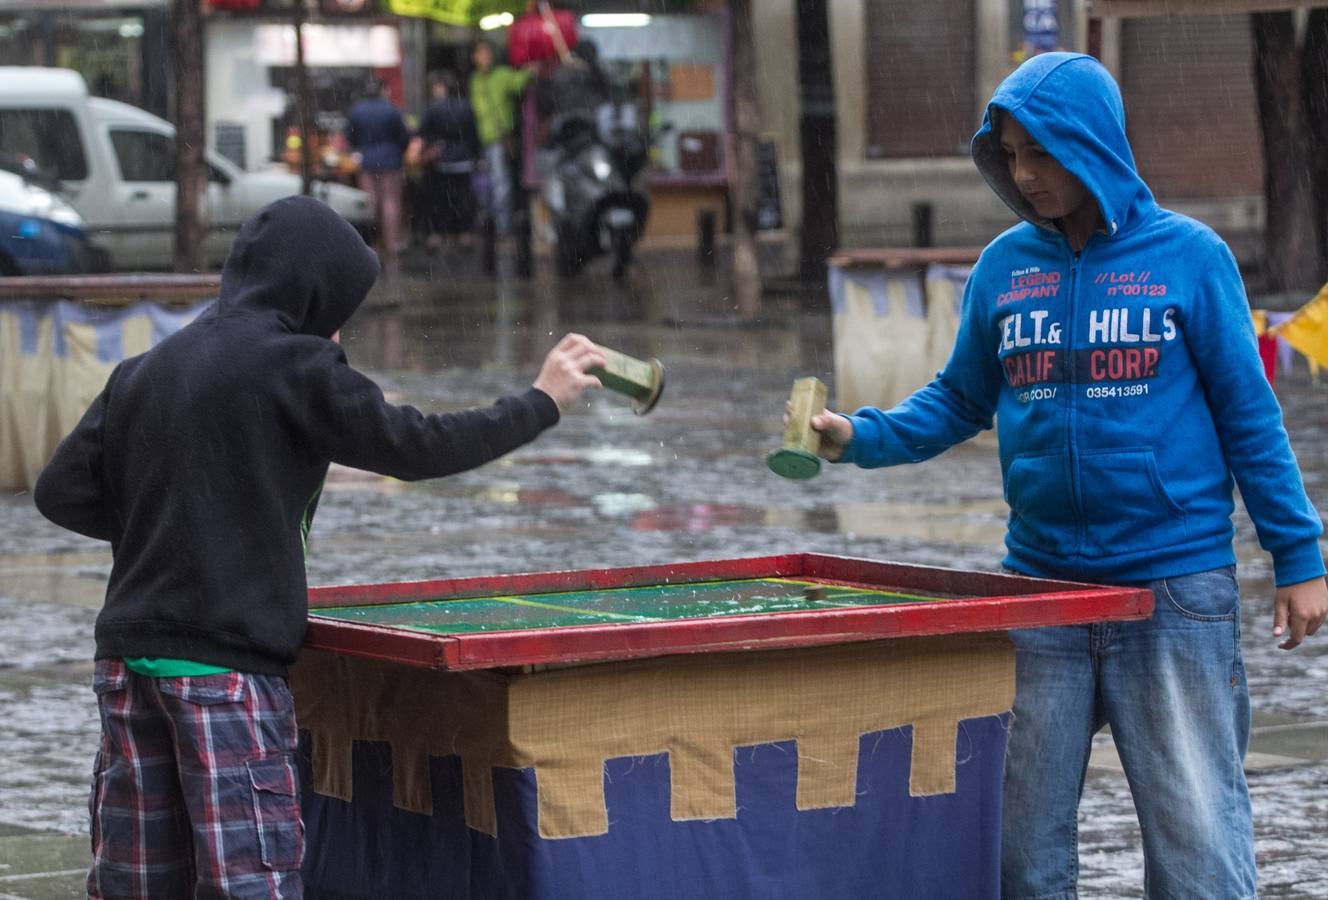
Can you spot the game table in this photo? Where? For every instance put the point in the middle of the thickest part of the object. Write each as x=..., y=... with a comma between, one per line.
x=786, y=726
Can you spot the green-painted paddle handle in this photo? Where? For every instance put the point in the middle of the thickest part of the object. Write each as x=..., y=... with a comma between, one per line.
x=642, y=380
x=798, y=457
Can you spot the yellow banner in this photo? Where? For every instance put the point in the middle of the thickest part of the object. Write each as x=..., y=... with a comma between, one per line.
x=454, y=12
x=1307, y=330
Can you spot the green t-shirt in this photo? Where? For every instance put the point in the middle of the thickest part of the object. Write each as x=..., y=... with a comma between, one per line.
x=491, y=96
x=160, y=667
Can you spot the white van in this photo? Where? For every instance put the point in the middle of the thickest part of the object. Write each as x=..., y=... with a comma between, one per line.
x=115, y=164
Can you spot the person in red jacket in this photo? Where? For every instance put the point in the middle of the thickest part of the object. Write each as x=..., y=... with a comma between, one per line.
x=541, y=34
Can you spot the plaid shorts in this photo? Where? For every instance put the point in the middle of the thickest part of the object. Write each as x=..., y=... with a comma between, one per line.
x=195, y=791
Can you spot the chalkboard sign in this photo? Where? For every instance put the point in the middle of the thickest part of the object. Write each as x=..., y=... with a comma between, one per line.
x=769, y=216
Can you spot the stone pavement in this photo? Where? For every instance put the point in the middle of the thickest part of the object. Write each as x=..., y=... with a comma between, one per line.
x=607, y=488
x=42, y=865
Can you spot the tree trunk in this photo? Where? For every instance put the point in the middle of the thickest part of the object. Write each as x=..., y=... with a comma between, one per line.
x=820, y=190
x=743, y=185
x=1290, y=252
x=1314, y=81
x=190, y=254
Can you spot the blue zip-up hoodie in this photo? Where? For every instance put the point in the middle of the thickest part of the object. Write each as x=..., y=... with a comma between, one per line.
x=1125, y=380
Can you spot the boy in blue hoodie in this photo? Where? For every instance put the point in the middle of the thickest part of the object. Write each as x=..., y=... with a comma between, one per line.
x=1112, y=341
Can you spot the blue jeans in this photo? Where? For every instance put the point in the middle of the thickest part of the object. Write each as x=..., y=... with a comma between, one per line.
x=1173, y=690
x=500, y=186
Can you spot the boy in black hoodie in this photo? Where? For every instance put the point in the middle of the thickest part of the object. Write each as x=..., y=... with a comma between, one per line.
x=202, y=462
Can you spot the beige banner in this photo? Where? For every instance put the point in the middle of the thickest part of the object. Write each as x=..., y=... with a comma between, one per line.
x=565, y=723
x=43, y=394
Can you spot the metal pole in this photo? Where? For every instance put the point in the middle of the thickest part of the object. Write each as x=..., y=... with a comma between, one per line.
x=190, y=135
x=303, y=106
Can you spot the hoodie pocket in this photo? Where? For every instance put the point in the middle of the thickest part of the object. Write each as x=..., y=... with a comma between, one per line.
x=1041, y=517
x=1126, y=505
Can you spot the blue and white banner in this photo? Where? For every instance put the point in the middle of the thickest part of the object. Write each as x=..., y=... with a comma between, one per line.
x=55, y=357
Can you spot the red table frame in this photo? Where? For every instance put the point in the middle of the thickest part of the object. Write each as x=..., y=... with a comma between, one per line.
x=996, y=603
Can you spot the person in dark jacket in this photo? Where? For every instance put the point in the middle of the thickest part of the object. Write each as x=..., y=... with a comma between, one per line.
x=202, y=462
x=580, y=87
x=451, y=146
x=376, y=131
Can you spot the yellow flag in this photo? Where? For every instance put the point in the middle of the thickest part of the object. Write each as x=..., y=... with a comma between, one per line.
x=1307, y=330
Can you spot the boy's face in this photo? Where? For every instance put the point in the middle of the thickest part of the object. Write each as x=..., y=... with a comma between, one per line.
x=1053, y=192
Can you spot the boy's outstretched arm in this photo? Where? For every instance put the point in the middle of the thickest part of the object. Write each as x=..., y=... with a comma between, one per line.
x=1303, y=606
x=70, y=491
x=355, y=426
x=958, y=403
x=927, y=422
x=837, y=432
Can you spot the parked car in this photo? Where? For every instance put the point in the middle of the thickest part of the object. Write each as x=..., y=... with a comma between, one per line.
x=40, y=234
x=116, y=165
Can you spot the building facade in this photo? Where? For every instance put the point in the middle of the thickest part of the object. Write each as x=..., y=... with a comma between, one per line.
x=911, y=81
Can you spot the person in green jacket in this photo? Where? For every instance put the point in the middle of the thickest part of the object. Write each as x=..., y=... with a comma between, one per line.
x=493, y=88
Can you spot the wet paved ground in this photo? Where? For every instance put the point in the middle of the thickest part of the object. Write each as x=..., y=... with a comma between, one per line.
x=607, y=488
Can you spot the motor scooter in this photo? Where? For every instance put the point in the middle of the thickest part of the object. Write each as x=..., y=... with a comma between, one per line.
x=595, y=188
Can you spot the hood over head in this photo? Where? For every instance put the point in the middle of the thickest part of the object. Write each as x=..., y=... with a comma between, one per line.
x=299, y=258
x=1071, y=106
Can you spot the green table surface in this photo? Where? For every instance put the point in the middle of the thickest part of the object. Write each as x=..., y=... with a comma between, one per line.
x=648, y=603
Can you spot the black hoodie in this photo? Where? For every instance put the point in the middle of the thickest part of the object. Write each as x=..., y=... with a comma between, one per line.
x=201, y=461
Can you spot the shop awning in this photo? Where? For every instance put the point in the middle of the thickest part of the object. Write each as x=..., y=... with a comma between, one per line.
x=1133, y=8
x=455, y=12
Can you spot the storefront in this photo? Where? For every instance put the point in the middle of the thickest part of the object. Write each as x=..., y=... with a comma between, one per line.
x=253, y=97
x=121, y=49
x=673, y=66
x=676, y=67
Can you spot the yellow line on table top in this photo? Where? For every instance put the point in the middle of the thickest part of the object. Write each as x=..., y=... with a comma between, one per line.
x=853, y=590
x=521, y=601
